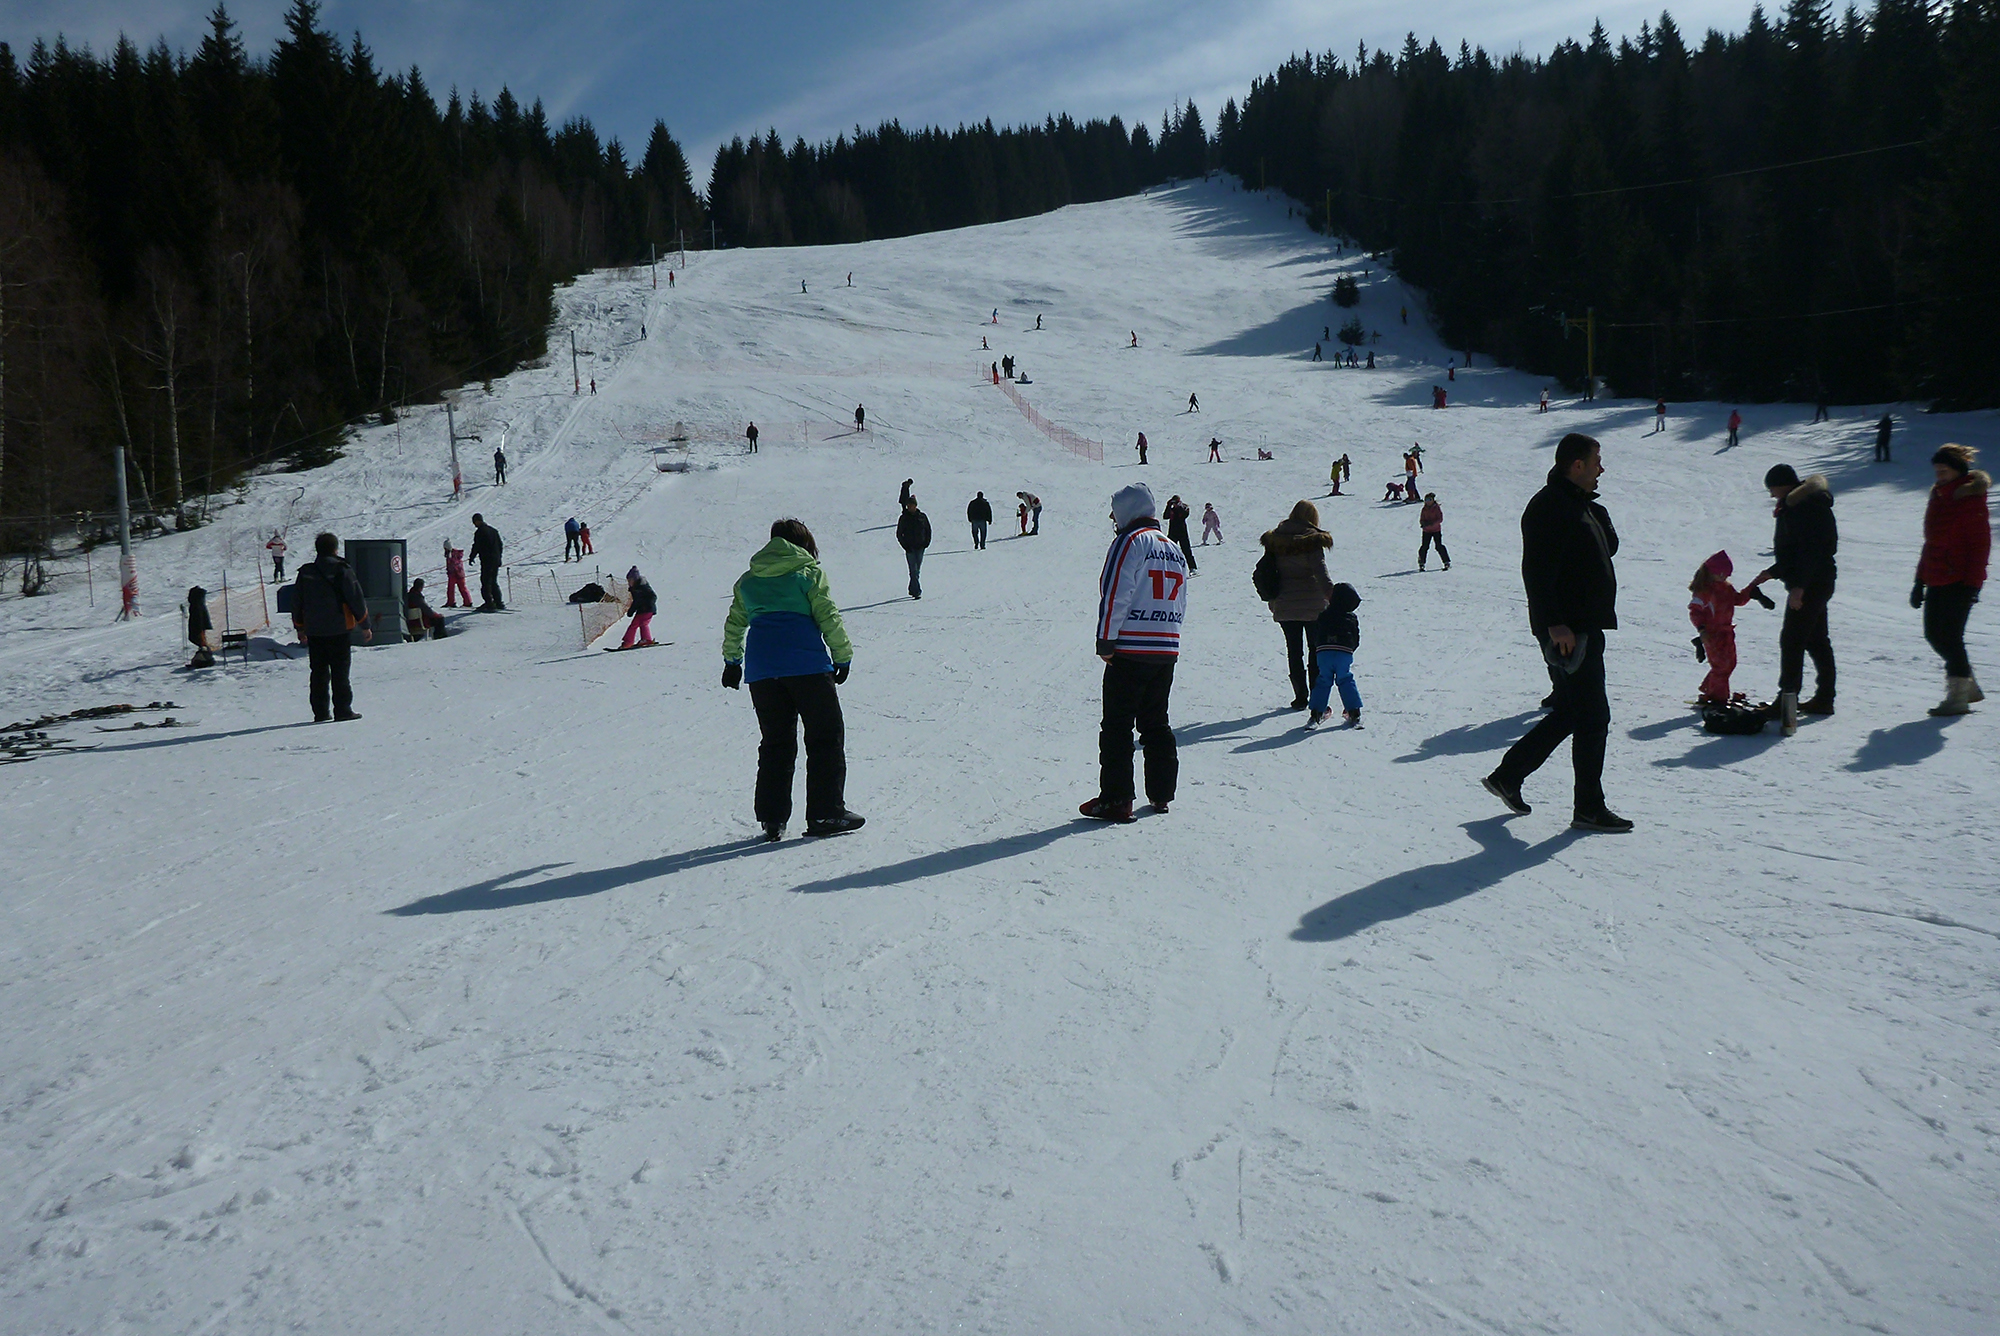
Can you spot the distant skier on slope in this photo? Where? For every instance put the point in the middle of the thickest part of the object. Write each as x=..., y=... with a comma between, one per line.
x=276, y=547
x=860, y=418
x=1430, y=522
x=979, y=514
x=1194, y=404
x=572, y=547
x=1176, y=515
x=1141, y=447
x=1211, y=523
x=1215, y=449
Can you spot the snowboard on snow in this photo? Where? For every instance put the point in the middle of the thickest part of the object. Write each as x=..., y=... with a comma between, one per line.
x=644, y=644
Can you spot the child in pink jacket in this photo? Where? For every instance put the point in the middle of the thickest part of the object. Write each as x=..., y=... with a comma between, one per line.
x=1713, y=612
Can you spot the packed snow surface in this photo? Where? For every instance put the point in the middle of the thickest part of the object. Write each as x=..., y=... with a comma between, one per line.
x=485, y=1014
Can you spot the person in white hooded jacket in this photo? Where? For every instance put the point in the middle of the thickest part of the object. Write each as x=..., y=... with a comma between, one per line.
x=1142, y=597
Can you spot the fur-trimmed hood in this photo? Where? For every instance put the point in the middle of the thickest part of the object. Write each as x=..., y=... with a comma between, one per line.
x=1976, y=483
x=1292, y=537
x=1815, y=486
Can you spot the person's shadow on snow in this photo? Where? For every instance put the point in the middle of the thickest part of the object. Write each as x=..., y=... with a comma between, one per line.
x=513, y=889
x=1402, y=894
x=1905, y=744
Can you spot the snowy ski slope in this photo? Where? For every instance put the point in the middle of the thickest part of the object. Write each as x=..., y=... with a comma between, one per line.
x=485, y=1015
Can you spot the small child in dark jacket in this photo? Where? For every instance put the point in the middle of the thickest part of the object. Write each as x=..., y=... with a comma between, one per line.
x=645, y=602
x=1339, y=636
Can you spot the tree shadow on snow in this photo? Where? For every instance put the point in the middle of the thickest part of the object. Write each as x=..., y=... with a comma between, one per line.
x=1905, y=744
x=1471, y=739
x=947, y=860
x=1402, y=894
x=509, y=890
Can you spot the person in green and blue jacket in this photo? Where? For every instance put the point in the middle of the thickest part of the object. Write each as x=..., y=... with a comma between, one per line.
x=785, y=638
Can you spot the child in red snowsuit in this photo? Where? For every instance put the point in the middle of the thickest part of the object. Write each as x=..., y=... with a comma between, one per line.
x=1713, y=612
x=454, y=577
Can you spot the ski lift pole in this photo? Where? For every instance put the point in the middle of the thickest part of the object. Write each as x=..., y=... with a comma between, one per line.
x=576, y=377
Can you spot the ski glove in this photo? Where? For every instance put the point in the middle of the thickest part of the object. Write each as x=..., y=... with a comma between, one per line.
x=1700, y=651
x=1917, y=594
x=1763, y=598
x=840, y=673
x=732, y=675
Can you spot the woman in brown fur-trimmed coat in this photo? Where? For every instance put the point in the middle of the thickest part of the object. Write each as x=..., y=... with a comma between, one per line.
x=1299, y=547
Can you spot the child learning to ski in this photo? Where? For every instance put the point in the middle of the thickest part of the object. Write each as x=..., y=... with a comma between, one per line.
x=644, y=604
x=1339, y=633
x=1713, y=612
x=1211, y=523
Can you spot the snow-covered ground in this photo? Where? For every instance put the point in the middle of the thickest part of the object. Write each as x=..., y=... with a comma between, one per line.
x=485, y=1015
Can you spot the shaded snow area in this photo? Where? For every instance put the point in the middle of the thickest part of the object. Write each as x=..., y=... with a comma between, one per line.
x=485, y=1014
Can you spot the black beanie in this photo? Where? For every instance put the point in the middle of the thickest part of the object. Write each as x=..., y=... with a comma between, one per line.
x=1782, y=475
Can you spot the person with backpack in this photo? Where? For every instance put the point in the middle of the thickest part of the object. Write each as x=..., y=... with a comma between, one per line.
x=1291, y=578
x=1958, y=538
x=785, y=638
x=1211, y=523
x=486, y=548
x=572, y=544
x=1338, y=636
x=1803, y=543
x=1176, y=514
x=327, y=604
x=913, y=535
x=645, y=603
x=1567, y=546
x=1141, y=603
x=979, y=514
x=1430, y=522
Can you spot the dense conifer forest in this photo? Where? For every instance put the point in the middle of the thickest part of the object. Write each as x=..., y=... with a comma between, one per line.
x=223, y=261
x=1802, y=210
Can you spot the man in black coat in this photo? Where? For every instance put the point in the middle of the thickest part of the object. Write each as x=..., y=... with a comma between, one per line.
x=979, y=514
x=326, y=603
x=1802, y=549
x=1567, y=543
x=913, y=532
x=486, y=551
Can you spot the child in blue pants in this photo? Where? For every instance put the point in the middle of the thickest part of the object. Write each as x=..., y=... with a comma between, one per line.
x=1339, y=636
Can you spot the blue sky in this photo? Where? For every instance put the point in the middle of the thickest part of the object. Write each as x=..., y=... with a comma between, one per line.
x=720, y=69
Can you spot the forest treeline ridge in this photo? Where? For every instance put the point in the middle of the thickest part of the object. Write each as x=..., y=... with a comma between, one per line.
x=222, y=261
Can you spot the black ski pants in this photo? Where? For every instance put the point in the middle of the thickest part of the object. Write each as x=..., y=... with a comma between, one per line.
x=1430, y=539
x=330, y=657
x=1301, y=639
x=915, y=557
x=572, y=546
x=1803, y=633
x=489, y=584
x=1136, y=693
x=979, y=535
x=1945, y=609
x=783, y=704
x=1187, y=549
x=1582, y=713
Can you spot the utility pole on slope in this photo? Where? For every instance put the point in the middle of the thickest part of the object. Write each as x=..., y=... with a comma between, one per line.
x=654, y=252
x=576, y=377
x=1589, y=327
x=451, y=427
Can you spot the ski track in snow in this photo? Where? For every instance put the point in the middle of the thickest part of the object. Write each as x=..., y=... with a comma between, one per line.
x=487, y=1014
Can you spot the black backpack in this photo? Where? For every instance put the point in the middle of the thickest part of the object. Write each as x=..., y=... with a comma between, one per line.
x=590, y=593
x=1266, y=576
x=1734, y=719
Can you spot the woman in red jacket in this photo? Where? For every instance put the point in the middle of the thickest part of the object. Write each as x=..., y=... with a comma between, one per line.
x=1957, y=538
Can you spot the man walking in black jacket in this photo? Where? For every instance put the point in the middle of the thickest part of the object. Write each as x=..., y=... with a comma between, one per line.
x=913, y=532
x=1802, y=549
x=327, y=602
x=979, y=514
x=1567, y=543
x=486, y=551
